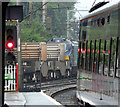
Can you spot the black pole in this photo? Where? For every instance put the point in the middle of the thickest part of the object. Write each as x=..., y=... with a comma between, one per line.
x=3, y=6
x=1, y=60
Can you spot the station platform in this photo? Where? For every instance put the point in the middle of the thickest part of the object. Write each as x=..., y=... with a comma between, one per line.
x=27, y=99
x=94, y=99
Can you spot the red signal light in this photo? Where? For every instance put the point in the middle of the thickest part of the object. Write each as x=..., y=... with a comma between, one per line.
x=10, y=45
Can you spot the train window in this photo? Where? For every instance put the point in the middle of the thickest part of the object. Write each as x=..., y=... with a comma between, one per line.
x=110, y=68
x=86, y=56
x=57, y=41
x=108, y=19
x=113, y=55
x=104, y=68
x=83, y=35
x=94, y=57
x=98, y=47
x=83, y=51
x=91, y=23
x=106, y=57
x=80, y=56
x=91, y=55
x=98, y=22
x=101, y=50
x=85, y=23
x=94, y=22
x=116, y=59
x=103, y=21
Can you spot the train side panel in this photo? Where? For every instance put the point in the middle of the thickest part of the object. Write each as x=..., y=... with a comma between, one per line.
x=98, y=74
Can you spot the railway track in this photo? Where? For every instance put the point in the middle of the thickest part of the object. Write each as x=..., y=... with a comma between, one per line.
x=66, y=96
x=62, y=90
x=50, y=86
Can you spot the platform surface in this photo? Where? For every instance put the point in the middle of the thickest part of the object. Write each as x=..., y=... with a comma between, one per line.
x=14, y=98
x=39, y=98
x=94, y=99
x=29, y=99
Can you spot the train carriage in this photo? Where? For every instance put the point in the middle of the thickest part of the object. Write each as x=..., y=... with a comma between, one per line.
x=98, y=60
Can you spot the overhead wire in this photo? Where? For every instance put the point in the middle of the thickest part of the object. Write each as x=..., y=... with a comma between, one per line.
x=40, y=8
x=93, y=3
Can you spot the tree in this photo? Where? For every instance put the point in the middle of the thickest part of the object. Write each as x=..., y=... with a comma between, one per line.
x=55, y=26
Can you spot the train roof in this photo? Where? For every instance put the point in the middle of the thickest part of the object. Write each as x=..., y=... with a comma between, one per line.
x=74, y=43
x=59, y=40
x=109, y=6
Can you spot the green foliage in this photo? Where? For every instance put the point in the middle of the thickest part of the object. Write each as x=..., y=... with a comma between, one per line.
x=33, y=29
x=34, y=32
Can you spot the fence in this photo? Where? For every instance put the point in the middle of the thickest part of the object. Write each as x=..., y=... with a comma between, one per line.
x=11, y=77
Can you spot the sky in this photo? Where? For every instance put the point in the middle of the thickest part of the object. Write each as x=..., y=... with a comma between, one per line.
x=86, y=5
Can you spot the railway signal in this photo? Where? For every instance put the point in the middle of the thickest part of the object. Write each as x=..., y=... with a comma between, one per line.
x=11, y=37
x=10, y=57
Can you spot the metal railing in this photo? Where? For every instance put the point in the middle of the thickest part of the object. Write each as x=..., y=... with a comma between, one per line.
x=11, y=77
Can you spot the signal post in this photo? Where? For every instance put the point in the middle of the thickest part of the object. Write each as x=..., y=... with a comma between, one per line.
x=20, y=73
x=1, y=59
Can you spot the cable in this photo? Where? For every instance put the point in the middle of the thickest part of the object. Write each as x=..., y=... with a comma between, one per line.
x=40, y=8
x=93, y=3
x=57, y=8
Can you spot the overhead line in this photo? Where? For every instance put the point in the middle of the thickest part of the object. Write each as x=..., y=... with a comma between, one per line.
x=93, y=3
x=40, y=8
x=57, y=8
x=45, y=9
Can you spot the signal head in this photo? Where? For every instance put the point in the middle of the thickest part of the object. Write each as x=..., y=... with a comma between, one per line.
x=11, y=37
x=10, y=45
